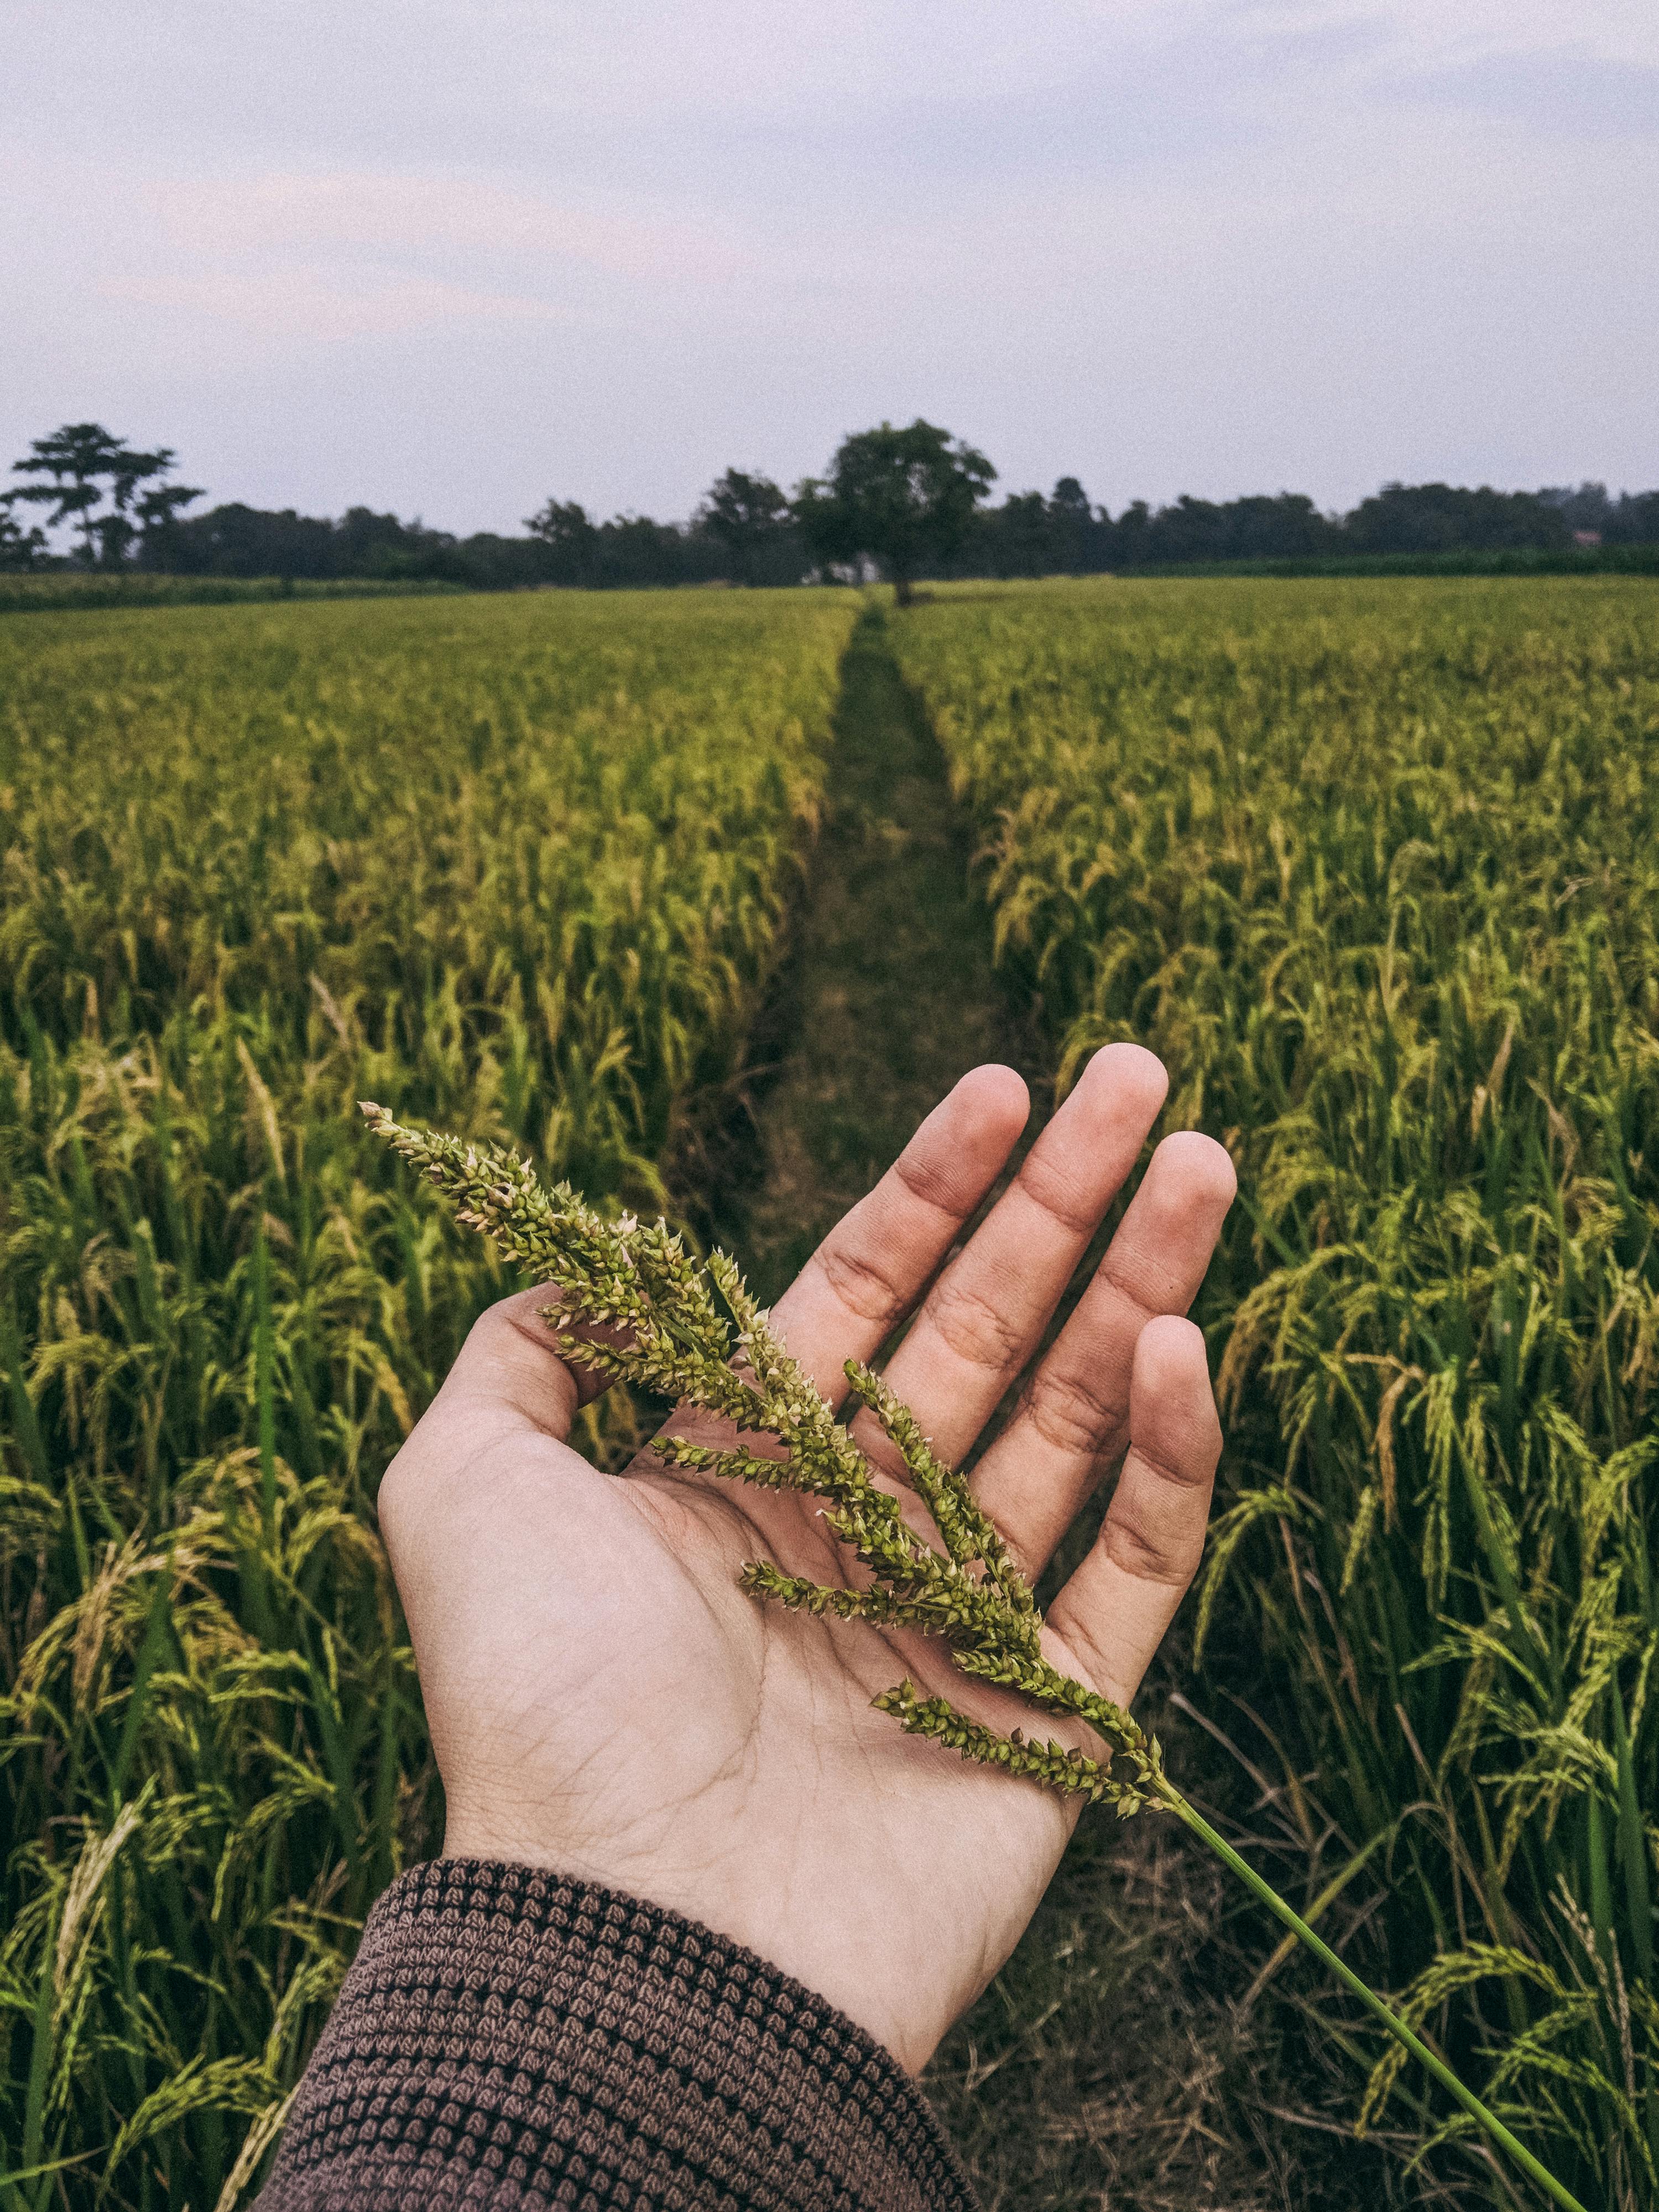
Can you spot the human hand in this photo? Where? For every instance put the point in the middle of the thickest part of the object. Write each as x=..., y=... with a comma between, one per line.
x=605, y=1701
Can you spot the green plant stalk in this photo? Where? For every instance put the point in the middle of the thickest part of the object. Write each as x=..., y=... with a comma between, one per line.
x=1483, y=2117
x=664, y=1328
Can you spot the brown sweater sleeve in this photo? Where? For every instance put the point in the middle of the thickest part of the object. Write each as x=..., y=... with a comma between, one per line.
x=509, y=2038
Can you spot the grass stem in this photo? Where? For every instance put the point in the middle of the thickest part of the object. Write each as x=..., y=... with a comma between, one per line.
x=1483, y=2116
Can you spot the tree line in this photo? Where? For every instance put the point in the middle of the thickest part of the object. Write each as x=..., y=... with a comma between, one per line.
x=906, y=502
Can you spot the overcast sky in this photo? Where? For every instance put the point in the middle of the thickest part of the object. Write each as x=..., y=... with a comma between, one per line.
x=452, y=255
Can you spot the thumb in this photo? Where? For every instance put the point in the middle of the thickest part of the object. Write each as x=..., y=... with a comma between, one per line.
x=509, y=1377
x=508, y=1387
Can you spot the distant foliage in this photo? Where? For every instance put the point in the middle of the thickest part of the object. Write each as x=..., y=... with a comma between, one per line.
x=516, y=865
x=912, y=500
x=1376, y=869
x=1436, y=519
x=1028, y=535
x=1631, y=518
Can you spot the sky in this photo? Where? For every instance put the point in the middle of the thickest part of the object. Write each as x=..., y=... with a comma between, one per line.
x=455, y=257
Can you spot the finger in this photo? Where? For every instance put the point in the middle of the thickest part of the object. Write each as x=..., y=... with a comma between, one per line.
x=1071, y=1425
x=870, y=1269
x=986, y=1315
x=1111, y=1616
x=508, y=1380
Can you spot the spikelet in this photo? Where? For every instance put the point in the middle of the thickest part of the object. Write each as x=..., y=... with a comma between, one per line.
x=691, y=1332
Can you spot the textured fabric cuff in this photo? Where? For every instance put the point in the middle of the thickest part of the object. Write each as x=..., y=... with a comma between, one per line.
x=509, y=2038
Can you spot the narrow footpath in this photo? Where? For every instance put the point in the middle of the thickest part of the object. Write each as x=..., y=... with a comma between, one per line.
x=888, y=992
x=1104, y=2066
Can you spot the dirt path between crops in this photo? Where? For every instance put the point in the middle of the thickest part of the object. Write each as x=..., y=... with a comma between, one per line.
x=888, y=993
x=1103, y=2067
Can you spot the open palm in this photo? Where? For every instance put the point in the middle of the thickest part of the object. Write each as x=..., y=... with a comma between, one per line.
x=604, y=1699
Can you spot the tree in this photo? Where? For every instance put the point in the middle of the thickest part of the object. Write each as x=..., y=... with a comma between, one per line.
x=18, y=548
x=750, y=520
x=1071, y=525
x=1131, y=535
x=237, y=540
x=1286, y=525
x=81, y=458
x=564, y=528
x=1014, y=539
x=1632, y=518
x=904, y=497
x=1438, y=518
x=157, y=508
x=75, y=458
x=633, y=552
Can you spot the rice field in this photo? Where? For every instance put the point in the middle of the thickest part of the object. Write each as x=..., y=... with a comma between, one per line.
x=1376, y=869
x=1374, y=865
x=516, y=865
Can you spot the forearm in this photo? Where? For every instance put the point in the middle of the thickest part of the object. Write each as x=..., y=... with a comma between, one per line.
x=509, y=2038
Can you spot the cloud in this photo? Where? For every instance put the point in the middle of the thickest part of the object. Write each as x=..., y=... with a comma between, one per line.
x=434, y=253
x=313, y=304
x=1428, y=34
x=414, y=214
x=1572, y=93
x=303, y=255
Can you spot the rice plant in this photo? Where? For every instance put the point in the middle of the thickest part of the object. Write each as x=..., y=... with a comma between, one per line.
x=516, y=862
x=1376, y=869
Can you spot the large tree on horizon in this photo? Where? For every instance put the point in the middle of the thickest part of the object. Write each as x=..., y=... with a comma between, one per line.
x=905, y=498
x=88, y=466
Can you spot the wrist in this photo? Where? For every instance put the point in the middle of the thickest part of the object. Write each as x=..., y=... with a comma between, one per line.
x=555, y=2030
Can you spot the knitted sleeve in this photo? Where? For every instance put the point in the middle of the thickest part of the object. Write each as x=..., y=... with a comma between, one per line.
x=509, y=2038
